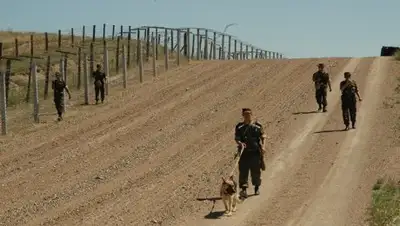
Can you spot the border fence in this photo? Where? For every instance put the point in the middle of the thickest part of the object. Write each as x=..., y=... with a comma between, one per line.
x=124, y=51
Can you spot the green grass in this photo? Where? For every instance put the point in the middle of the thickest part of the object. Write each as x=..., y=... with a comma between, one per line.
x=385, y=209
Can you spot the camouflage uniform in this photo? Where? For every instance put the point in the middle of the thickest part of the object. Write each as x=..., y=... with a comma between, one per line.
x=349, y=102
x=99, y=81
x=250, y=160
x=58, y=88
x=321, y=80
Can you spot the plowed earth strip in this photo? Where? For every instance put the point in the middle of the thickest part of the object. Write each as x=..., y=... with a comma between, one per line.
x=149, y=124
x=177, y=130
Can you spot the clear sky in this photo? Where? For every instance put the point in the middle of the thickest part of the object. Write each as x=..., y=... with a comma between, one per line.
x=297, y=28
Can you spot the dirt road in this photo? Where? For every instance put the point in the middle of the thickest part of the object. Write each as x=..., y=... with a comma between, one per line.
x=145, y=156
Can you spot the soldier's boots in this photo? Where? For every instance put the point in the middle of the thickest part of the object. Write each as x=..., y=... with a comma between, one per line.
x=324, y=109
x=319, y=108
x=243, y=193
x=353, y=124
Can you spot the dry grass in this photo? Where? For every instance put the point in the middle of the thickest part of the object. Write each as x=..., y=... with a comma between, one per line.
x=20, y=69
x=397, y=55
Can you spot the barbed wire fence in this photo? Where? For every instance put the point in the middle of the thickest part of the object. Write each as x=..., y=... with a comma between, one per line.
x=127, y=54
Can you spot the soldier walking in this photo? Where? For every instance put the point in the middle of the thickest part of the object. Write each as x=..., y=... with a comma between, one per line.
x=250, y=135
x=58, y=86
x=349, y=101
x=322, y=82
x=99, y=83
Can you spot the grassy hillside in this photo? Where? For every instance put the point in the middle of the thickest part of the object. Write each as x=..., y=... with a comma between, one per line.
x=20, y=69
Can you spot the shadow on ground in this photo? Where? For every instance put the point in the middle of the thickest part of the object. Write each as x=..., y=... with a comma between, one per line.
x=216, y=214
x=305, y=112
x=330, y=131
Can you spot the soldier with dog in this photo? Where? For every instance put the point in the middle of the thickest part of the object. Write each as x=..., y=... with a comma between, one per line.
x=99, y=83
x=250, y=138
x=322, y=82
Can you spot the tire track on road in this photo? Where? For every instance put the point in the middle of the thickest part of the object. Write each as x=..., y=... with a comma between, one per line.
x=329, y=206
x=280, y=166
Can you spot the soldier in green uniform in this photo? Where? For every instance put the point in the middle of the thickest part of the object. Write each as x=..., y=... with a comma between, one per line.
x=322, y=82
x=59, y=86
x=349, y=101
x=99, y=83
x=250, y=135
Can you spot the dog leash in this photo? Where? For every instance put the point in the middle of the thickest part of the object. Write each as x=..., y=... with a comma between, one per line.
x=237, y=161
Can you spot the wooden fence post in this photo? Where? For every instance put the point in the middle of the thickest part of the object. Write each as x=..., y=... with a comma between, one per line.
x=104, y=32
x=154, y=41
x=78, y=85
x=147, y=44
x=47, y=79
x=229, y=47
x=30, y=70
x=35, y=93
x=223, y=48
x=83, y=35
x=166, y=49
x=3, y=102
x=91, y=65
x=188, y=44
x=137, y=46
x=124, y=67
x=17, y=47
x=193, y=46
x=117, y=55
x=172, y=41
x=241, y=50
x=72, y=37
x=198, y=44
x=86, y=78
x=140, y=61
x=235, y=49
x=7, y=79
x=94, y=33
x=206, y=45
x=178, y=47
x=214, y=47
x=59, y=39
x=62, y=72
x=106, y=66
x=113, y=32
x=129, y=48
